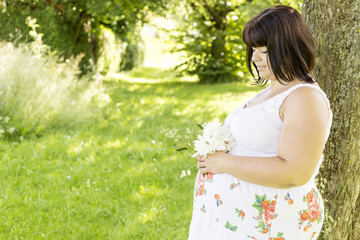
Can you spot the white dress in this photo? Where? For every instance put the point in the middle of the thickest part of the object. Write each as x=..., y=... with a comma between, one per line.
x=226, y=207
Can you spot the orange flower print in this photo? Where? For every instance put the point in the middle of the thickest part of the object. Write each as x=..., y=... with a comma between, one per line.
x=203, y=209
x=288, y=199
x=266, y=210
x=200, y=183
x=313, y=213
x=304, y=216
x=278, y=237
x=309, y=197
x=201, y=190
x=234, y=185
x=240, y=213
x=218, y=200
x=265, y=204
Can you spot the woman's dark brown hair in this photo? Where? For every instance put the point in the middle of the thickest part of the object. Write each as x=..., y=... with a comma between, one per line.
x=289, y=42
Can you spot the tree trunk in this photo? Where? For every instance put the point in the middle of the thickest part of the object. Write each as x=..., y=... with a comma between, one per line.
x=336, y=27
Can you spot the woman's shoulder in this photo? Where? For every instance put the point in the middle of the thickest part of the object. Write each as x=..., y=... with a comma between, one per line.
x=308, y=99
x=306, y=93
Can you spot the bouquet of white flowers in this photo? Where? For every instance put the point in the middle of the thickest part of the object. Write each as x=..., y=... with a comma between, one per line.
x=215, y=137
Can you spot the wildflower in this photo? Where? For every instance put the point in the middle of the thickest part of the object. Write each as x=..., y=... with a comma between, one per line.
x=188, y=131
x=6, y=119
x=172, y=133
x=187, y=172
x=11, y=129
x=183, y=174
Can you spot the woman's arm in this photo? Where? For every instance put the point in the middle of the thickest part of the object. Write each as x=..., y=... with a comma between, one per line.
x=305, y=117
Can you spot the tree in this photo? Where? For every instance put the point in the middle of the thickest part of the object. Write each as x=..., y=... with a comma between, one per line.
x=336, y=26
x=73, y=27
x=210, y=34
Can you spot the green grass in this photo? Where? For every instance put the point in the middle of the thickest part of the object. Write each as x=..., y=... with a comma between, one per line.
x=114, y=178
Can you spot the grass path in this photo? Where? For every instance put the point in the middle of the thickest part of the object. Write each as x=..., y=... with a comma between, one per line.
x=114, y=178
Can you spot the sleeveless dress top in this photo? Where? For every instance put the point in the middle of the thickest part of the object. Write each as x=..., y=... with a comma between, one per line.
x=226, y=207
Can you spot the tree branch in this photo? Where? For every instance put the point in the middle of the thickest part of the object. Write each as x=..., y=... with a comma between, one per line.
x=194, y=7
x=210, y=10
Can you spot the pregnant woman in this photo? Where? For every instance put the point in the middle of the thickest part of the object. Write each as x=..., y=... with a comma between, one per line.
x=264, y=187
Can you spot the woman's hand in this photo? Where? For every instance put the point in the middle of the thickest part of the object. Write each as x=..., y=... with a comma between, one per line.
x=211, y=163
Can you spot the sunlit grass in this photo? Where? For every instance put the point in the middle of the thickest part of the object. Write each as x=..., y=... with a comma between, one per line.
x=114, y=178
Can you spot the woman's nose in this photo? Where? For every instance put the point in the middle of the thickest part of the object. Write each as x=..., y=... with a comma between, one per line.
x=255, y=56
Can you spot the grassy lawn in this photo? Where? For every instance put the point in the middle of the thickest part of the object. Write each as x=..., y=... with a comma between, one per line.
x=114, y=178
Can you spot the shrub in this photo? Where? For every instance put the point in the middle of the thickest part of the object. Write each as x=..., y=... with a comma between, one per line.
x=39, y=93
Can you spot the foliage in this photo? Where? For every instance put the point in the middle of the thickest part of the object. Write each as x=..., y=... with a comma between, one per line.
x=74, y=28
x=39, y=93
x=210, y=32
x=133, y=55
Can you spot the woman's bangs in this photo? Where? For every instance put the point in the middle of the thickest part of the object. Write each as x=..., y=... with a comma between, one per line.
x=255, y=36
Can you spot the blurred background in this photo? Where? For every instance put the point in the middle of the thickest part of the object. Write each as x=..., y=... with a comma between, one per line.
x=88, y=90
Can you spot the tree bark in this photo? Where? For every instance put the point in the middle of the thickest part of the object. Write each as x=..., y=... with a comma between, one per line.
x=336, y=27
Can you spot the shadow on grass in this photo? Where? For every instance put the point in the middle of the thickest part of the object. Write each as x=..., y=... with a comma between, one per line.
x=149, y=82
x=154, y=73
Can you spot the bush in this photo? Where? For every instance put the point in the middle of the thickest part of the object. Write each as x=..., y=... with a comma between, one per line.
x=39, y=93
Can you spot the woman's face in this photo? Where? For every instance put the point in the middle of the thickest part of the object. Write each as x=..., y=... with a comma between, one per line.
x=260, y=59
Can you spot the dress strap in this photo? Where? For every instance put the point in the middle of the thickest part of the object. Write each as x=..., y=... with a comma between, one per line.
x=290, y=90
x=282, y=96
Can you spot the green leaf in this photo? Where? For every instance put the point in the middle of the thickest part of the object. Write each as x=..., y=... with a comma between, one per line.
x=258, y=207
x=181, y=149
x=260, y=199
x=200, y=126
x=261, y=225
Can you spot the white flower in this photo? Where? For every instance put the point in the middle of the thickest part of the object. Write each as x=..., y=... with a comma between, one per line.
x=183, y=174
x=188, y=131
x=216, y=137
x=6, y=119
x=11, y=129
x=188, y=172
x=172, y=133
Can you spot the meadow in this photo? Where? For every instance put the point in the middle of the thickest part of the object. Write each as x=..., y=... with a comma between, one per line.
x=112, y=177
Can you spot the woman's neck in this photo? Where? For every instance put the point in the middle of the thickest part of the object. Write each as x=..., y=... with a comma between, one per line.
x=277, y=86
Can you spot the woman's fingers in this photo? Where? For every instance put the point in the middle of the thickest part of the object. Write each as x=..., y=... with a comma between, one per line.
x=200, y=165
x=203, y=170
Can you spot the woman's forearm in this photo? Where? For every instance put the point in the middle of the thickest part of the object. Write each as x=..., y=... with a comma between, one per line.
x=267, y=171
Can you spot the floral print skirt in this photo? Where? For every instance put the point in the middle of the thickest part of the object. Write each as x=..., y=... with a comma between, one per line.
x=227, y=208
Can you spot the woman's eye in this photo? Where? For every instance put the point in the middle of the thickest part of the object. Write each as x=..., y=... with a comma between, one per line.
x=261, y=50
